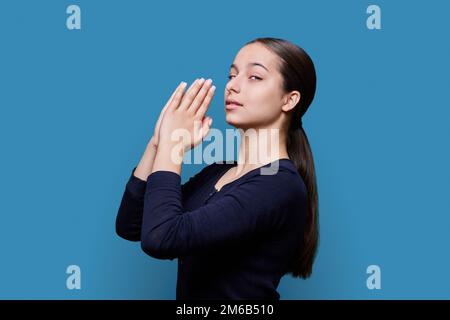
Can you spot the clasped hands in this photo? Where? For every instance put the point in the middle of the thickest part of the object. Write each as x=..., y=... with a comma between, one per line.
x=182, y=124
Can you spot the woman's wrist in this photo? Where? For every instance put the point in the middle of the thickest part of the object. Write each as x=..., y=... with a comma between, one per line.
x=153, y=143
x=169, y=156
x=145, y=165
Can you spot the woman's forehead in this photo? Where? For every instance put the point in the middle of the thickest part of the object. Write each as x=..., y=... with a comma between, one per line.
x=255, y=55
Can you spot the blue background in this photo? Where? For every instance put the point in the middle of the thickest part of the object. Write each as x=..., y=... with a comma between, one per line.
x=78, y=107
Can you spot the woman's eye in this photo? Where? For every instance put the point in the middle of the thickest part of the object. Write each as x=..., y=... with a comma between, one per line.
x=230, y=76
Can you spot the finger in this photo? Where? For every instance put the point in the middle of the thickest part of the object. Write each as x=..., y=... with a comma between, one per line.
x=190, y=88
x=173, y=94
x=200, y=96
x=205, y=104
x=178, y=96
x=168, y=103
x=206, y=126
x=161, y=116
x=191, y=94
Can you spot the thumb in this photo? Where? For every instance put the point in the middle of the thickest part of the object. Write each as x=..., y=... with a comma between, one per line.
x=206, y=126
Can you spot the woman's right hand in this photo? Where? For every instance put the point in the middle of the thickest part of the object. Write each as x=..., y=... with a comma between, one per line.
x=145, y=165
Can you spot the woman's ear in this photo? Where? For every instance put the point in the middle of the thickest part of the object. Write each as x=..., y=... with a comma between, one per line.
x=291, y=100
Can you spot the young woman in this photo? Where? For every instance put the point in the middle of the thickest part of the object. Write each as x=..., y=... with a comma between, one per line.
x=234, y=229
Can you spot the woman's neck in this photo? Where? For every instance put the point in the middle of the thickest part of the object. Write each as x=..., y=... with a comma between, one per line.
x=259, y=147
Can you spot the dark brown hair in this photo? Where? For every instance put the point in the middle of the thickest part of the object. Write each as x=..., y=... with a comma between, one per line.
x=298, y=72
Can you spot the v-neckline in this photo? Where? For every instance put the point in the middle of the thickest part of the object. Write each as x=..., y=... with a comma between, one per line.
x=225, y=171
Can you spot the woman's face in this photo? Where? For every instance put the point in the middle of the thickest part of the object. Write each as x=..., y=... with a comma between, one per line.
x=255, y=83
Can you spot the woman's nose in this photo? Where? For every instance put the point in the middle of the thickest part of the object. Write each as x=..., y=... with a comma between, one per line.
x=233, y=85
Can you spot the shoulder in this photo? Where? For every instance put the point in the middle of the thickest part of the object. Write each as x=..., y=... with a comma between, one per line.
x=276, y=185
x=277, y=199
x=280, y=181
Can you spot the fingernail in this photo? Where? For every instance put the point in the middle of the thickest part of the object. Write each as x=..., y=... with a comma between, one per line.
x=210, y=121
x=208, y=81
x=213, y=88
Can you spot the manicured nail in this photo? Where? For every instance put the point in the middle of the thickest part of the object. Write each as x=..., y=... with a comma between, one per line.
x=210, y=121
x=213, y=88
x=208, y=81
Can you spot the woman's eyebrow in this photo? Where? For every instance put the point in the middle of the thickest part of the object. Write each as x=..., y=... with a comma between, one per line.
x=249, y=64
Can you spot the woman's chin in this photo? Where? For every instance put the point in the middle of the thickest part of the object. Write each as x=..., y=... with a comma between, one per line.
x=237, y=123
x=231, y=119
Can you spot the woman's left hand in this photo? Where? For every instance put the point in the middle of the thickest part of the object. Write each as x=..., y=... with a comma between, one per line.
x=184, y=123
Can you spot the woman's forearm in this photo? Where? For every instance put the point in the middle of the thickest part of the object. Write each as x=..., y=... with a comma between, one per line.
x=169, y=157
x=145, y=166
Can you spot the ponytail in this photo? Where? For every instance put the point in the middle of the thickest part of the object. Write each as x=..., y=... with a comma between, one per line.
x=300, y=153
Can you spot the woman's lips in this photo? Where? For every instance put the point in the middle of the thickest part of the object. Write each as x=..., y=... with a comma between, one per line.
x=232, y=106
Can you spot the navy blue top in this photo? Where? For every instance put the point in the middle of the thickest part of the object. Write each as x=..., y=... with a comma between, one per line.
x=235, y=243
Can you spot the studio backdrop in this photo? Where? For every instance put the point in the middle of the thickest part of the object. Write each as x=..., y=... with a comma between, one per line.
x=82, y=84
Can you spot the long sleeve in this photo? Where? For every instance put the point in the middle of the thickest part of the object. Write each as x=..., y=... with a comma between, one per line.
x=129, y=215
x=258, y=206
